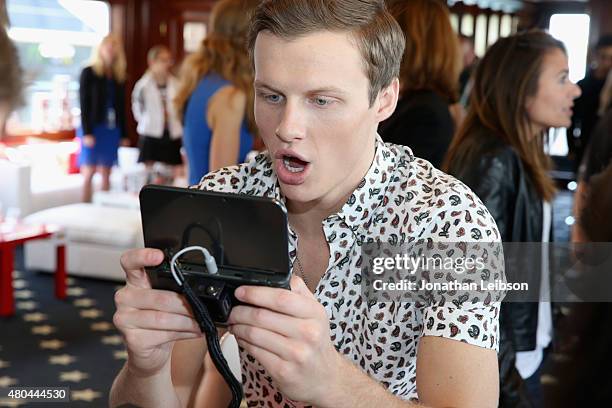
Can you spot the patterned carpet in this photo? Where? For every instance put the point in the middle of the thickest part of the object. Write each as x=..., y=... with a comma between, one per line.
x=55, y=343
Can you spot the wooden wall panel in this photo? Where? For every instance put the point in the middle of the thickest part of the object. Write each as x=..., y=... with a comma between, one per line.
x=601, y=16
x=142, y=24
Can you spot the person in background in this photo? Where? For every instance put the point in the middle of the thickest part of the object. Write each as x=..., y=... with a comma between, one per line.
x=11, y=81
x=521, y=88
x=586, y=108
x=215, y=95
x=597, y=157
x=102, y=96
x=589, y=324
x=159, y=128
x=428, y=80
x=470, y=60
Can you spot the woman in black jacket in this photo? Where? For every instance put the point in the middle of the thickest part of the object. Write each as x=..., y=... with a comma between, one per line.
x=521, y=89
x=102, y=95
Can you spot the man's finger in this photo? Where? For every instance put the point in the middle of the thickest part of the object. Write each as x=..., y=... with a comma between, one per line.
x=299, y=286
x=134, y=261
x=156, y=320
x=276, y=299
x=153, y=299
x=148, y=339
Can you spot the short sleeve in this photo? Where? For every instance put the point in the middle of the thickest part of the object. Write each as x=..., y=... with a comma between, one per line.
x=226, y=180
x=476, y=325
x=465, y=225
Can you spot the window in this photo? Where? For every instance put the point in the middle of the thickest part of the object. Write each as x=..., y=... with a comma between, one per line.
x=480, y=39
x=505, y=25
x=193, y=34
x=55, y=40
x=493, y=29
x=576, y=40
x=467, y=25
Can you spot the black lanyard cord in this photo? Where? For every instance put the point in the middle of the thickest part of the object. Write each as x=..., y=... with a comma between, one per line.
x=214, y=347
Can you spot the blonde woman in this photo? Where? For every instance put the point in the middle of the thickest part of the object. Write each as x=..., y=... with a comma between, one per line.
x=215, y=97
x=102, y=95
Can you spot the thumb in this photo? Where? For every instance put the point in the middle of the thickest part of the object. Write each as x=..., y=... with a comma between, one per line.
x=299, y=286
x=133, y=263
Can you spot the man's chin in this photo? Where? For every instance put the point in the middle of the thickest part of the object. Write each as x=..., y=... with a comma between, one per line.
x=297, y=194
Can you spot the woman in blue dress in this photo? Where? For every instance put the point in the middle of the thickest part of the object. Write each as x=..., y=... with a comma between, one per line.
x=215, y=95
x=102, y=96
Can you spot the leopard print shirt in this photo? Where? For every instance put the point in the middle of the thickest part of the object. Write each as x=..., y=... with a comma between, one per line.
x=400, y=196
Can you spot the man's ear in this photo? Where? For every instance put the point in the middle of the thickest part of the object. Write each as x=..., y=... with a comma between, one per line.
x=387, y=100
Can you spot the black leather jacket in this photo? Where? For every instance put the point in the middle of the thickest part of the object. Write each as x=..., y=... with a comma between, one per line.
x=498, y=177
x=502, y=183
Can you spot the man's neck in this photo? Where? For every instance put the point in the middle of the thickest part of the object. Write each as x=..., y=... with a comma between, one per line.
x=306, y=218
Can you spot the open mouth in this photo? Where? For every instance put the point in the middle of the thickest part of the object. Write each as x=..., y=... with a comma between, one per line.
x=293, y=164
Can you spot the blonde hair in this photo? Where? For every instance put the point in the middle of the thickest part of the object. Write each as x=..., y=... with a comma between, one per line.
x=154, y=52
x=223, y=52
x=119, y=63
x=4, y=18
x=11, y=73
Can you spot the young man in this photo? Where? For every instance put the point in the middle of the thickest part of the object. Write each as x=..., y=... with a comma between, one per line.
x=325, y=76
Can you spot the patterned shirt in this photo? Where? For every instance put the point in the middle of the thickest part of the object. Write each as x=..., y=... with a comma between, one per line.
x=400, y=196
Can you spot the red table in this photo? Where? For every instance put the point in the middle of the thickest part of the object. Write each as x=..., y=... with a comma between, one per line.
x=10, y=237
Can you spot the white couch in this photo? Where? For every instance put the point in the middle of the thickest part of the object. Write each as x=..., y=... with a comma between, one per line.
x=35, y=176
x=95, y=237
x=21, y=189
x=34, y=180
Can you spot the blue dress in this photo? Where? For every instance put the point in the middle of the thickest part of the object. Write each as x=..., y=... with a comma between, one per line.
x=196, y=133
x=107, y=134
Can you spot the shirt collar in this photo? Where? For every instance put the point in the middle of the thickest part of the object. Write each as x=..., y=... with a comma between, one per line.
x=362, y=204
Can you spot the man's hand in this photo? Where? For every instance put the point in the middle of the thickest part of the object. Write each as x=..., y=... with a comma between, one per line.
x=288, y=333
x=125, y=142
x=89, y=141
x=150, y=320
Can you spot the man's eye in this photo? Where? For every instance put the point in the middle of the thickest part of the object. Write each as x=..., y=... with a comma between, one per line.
x=270, y=97
x=273, y=98
x=321, y=101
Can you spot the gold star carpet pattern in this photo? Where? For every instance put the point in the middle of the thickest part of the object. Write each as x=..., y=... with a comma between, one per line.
x=54, y=343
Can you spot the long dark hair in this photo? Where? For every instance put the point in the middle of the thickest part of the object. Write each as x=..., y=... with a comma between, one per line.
x=504, y=79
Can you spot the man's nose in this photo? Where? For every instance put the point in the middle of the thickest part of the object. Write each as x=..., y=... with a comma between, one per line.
x=292, y=124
